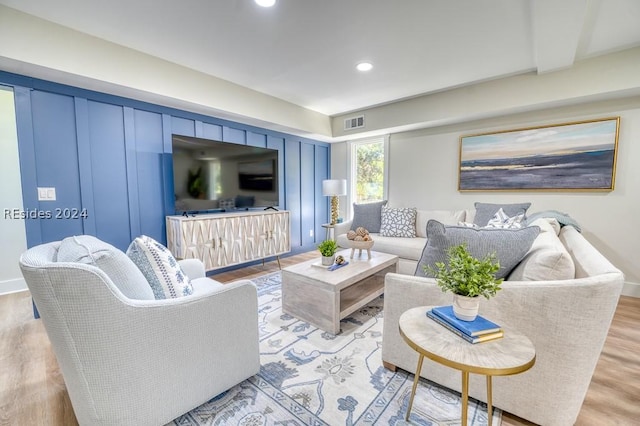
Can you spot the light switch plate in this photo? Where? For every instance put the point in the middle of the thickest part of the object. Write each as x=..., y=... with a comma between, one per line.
x=46, y=194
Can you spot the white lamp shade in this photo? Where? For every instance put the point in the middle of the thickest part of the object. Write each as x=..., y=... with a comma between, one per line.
x=334, y=187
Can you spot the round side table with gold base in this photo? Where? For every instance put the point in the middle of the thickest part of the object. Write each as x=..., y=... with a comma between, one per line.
x=512, y=354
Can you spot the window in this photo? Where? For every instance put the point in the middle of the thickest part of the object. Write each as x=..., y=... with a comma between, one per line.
x=369, y=170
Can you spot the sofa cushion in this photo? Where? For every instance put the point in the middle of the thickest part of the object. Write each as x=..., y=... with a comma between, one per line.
x=119, y=268
x=368, y=216
x=447, y=217
x=405, y=248
x=398, y=222
x=547, y=259
x=509, y=245
x=485, y=211
x=160, y=268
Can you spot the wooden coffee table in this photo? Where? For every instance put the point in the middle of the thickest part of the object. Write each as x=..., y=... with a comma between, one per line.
x=322, y=297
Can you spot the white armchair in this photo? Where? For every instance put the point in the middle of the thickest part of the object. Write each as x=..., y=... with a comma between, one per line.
x=141, y=362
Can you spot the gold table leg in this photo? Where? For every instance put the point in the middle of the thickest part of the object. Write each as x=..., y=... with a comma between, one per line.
x=489, y=402
x=415, y=385
x=465, y=397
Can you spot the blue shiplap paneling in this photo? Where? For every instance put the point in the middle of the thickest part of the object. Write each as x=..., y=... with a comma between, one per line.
x=212, y=131
x=149, y=159
x=109, y=173
x=234, y=135
x=257, y=139
x=183, y=126
x=292, y=188
x=307, y=193
x=84, y=164
x=278, y=143
x=322, y=161
x=56, y=155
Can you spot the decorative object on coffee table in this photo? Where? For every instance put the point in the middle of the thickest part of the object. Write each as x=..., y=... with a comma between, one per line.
x=360, y=240
x=328, y=250
x=334, y=188
x=467, y=278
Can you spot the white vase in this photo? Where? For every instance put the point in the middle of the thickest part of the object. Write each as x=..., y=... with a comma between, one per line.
x=465, y=308
x=328, y=260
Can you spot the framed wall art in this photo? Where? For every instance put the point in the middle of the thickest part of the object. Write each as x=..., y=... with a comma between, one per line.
x=578, y=156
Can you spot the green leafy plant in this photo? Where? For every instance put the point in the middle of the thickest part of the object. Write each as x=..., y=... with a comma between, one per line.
x=328, y=248
x=465, y=275
x=195, y=183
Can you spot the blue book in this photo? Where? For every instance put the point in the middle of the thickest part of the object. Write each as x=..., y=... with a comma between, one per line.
x=471, y=339
x=477, y=327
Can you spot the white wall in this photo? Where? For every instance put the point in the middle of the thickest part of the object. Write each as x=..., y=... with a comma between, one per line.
x=423, y=173
x=12, y=231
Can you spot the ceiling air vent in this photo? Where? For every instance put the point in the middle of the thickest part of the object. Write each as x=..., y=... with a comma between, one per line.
x=354, y=122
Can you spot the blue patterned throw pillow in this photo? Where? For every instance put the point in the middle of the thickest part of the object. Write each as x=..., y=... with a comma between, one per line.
x=160, y=268
x=400, y=222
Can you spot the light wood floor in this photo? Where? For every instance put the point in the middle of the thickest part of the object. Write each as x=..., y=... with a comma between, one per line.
x=32, y=391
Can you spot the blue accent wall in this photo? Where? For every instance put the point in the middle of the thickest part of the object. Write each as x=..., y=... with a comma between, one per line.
x=112, y=156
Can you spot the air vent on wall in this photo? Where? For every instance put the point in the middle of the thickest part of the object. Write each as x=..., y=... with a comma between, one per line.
x=354, y=122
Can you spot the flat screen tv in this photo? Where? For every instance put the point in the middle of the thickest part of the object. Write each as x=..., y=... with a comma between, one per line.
x=211, y=175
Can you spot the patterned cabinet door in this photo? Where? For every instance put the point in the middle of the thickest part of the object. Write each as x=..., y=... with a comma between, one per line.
x=277, y=236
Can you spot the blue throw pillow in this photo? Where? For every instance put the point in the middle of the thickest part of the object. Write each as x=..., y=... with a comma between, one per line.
x=368, y=216
x=509, y=245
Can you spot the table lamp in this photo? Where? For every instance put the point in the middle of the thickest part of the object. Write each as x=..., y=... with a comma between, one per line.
x=334, y=188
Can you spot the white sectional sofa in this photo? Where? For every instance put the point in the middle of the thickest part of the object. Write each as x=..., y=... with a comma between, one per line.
x=567, y=317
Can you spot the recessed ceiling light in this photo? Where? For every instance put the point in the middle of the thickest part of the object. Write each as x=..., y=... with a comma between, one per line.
x=364, y=66
x=265, y=3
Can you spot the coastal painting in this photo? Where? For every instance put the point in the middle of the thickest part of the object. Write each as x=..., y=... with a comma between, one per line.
x=564, y=157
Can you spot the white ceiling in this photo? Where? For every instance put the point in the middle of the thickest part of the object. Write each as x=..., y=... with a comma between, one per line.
x=305, y=51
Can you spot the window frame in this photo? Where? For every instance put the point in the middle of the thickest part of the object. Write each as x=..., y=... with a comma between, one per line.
x=351, y=156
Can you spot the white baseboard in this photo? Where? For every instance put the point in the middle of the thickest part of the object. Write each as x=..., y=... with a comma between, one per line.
x=12, y=286
x=631, y=289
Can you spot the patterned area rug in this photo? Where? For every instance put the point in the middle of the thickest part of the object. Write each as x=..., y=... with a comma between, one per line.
x=311, y=377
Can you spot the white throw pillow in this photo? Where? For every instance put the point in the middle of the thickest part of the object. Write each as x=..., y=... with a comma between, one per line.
x=504, y=221
x=547, y=260
x=399, y=222
x=160, y=268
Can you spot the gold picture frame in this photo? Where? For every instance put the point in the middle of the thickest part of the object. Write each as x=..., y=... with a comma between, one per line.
x=575, y=156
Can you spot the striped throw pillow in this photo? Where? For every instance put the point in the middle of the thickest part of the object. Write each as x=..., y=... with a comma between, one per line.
x=160, y=268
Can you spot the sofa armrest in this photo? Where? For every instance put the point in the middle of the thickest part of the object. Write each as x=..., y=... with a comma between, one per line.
x=342, y=228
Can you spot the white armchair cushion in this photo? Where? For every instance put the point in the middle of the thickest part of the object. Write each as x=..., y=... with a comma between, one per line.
x=113, y=262
x=160, y=268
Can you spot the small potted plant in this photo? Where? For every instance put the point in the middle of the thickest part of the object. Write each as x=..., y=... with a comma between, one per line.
x=328, y=250
x=467, y=278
